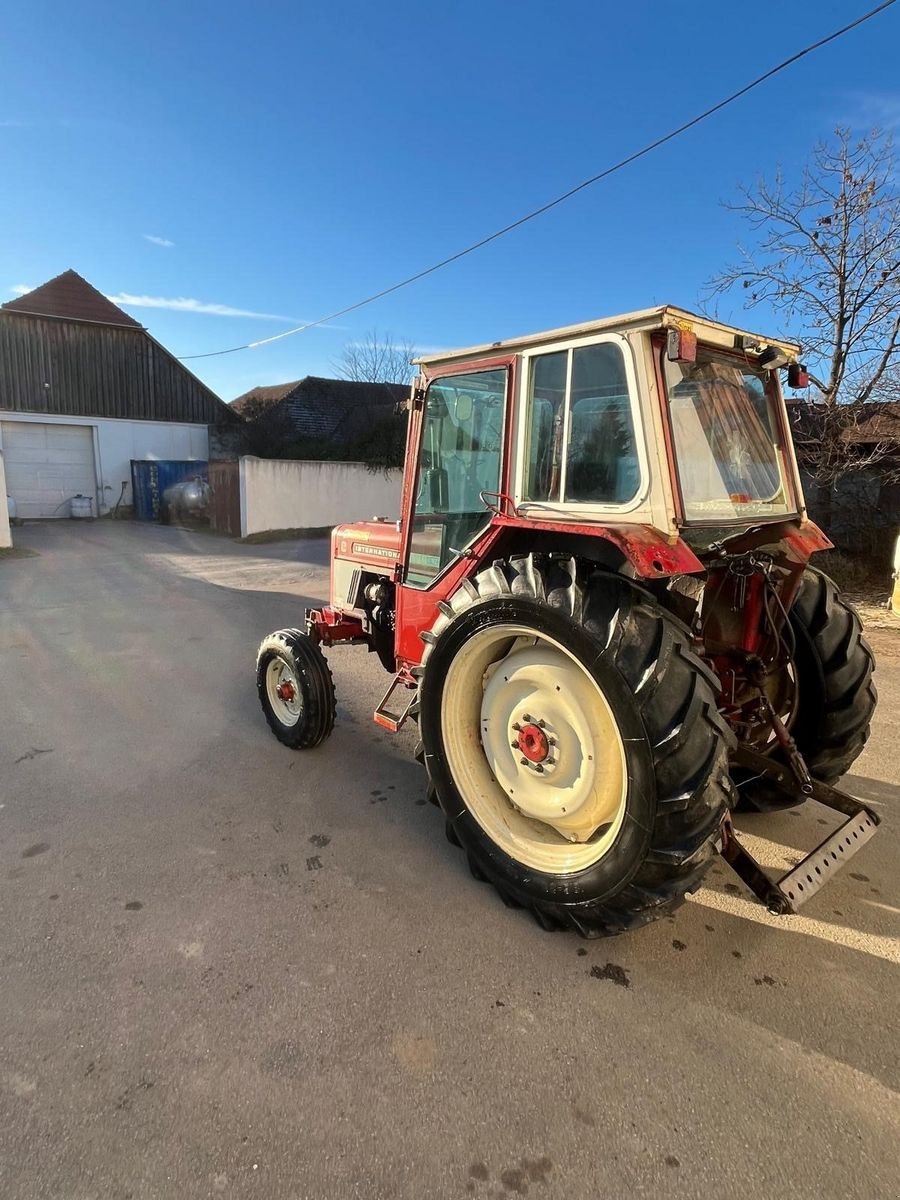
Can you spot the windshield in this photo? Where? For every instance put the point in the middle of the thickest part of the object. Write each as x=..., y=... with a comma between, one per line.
x=728, y=449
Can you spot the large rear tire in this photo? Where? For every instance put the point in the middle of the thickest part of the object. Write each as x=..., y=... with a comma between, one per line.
x=295, y=688
x=836, y=697
x=534, y=665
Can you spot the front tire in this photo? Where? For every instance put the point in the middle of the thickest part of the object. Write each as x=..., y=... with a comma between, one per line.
x=295, y=688
x=624, y=725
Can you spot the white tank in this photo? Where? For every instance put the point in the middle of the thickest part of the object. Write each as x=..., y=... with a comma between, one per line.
x=81, y=507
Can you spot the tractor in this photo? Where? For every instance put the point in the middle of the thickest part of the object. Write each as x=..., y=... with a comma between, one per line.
x=598, y=607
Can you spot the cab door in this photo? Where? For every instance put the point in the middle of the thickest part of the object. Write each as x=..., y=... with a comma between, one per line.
x=458, y=439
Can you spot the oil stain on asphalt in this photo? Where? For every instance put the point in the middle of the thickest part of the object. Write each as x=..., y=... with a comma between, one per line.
x=613, y=972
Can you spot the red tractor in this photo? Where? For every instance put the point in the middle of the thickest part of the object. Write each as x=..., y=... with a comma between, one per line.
x=598, y=607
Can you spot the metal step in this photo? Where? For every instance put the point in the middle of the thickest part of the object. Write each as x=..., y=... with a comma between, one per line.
x=826, y=860
x=393, y=720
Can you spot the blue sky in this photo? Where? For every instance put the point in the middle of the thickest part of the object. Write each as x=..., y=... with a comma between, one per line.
x=287, y=159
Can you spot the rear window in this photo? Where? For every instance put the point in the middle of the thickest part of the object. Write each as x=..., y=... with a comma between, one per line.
x=728, y=446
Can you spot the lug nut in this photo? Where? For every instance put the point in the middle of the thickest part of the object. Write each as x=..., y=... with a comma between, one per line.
x=524, y=762
x=527, y=717
x=516, y=726
x=543, y=724
x=539, y=768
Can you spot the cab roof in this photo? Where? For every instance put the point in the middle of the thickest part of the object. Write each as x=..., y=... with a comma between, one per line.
x=665, y=316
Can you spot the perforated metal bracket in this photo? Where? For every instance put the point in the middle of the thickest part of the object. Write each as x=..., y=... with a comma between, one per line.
x=792, y=890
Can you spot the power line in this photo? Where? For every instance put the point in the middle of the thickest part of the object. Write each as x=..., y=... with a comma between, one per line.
x=580, y=187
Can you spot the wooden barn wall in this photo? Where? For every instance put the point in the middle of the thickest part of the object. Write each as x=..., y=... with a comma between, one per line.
x=71, y=368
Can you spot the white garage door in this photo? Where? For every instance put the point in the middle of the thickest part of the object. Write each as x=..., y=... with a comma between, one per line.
x=46, y=464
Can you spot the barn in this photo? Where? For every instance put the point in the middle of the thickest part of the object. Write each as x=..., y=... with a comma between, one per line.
x=84, y=390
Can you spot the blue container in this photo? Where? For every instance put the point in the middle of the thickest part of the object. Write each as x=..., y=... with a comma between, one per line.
x=151, y=477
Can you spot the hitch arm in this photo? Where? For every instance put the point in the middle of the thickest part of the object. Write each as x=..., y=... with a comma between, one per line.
x=792, y=890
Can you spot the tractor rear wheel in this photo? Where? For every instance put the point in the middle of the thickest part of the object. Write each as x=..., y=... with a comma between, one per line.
x=835, y=696
x=573, y=742
x=295, y=688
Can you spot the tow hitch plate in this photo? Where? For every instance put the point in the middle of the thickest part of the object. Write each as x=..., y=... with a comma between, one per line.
x=791, y=891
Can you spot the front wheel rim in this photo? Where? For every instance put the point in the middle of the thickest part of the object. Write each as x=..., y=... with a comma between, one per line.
x=283, y=691
x=534, y=749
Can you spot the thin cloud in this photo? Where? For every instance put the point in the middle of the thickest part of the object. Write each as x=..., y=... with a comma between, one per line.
x=157, y=241
x=15, y=124
x=184, y=304
x=187, y=304
x=875, y=110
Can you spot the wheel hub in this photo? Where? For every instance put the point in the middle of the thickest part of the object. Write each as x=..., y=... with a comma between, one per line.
x=533, y=743
x=286, y=691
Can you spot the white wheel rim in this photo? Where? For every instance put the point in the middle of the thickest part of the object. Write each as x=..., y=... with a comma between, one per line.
x=283, y=691
x=559, y=813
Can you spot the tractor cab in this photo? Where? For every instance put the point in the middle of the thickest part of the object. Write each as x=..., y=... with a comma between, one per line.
x=657, y=418
x=641, y=439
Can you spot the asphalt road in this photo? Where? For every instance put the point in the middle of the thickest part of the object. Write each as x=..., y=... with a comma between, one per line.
x=229, y=969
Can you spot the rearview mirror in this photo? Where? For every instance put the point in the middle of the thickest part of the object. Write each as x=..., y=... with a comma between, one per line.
x=465, y=406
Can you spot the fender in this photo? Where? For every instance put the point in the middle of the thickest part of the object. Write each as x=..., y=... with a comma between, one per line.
x=652, y=554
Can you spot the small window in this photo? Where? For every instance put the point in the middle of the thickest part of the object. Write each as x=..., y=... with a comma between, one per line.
x=546, y=412
x=579, y=399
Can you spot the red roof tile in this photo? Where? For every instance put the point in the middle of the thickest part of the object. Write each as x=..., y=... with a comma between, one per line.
x=71, y=297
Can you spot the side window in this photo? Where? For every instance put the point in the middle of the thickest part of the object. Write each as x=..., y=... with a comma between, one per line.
x=601, y=460
x=579, y=434
x=462, y=441
x=546, y=413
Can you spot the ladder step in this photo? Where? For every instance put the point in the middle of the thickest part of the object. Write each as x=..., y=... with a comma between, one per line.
x=386, y=715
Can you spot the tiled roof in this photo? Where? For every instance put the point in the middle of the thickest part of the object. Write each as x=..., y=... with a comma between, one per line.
x=324, y=408
x=259, y=399
x=329, y=408
x=876, y=421
x=70, y=297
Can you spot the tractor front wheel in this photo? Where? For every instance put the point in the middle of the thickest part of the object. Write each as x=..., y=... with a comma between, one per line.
x=573, y=741
x=295, y=689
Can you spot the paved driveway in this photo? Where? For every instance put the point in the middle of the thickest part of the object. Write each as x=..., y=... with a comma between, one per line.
x=226, y=968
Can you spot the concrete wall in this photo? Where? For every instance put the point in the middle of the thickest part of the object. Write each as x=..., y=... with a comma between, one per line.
x=281, y=494
x=5, y=537
x=117, y=442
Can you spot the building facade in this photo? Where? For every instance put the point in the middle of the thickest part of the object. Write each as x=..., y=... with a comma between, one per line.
x=84, y=389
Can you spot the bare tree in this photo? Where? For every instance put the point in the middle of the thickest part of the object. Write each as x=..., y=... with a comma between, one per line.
x=826, y=257
x=376, y=359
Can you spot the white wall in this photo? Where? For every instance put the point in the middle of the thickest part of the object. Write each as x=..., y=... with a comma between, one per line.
x=279, y=494
x=117, y=442
x=5, y=536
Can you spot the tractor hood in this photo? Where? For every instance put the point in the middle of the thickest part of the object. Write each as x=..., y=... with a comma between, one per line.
x=375, y=544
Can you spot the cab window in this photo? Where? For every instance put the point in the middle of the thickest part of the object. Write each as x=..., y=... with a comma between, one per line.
x=462, y=438
x=579, y=434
